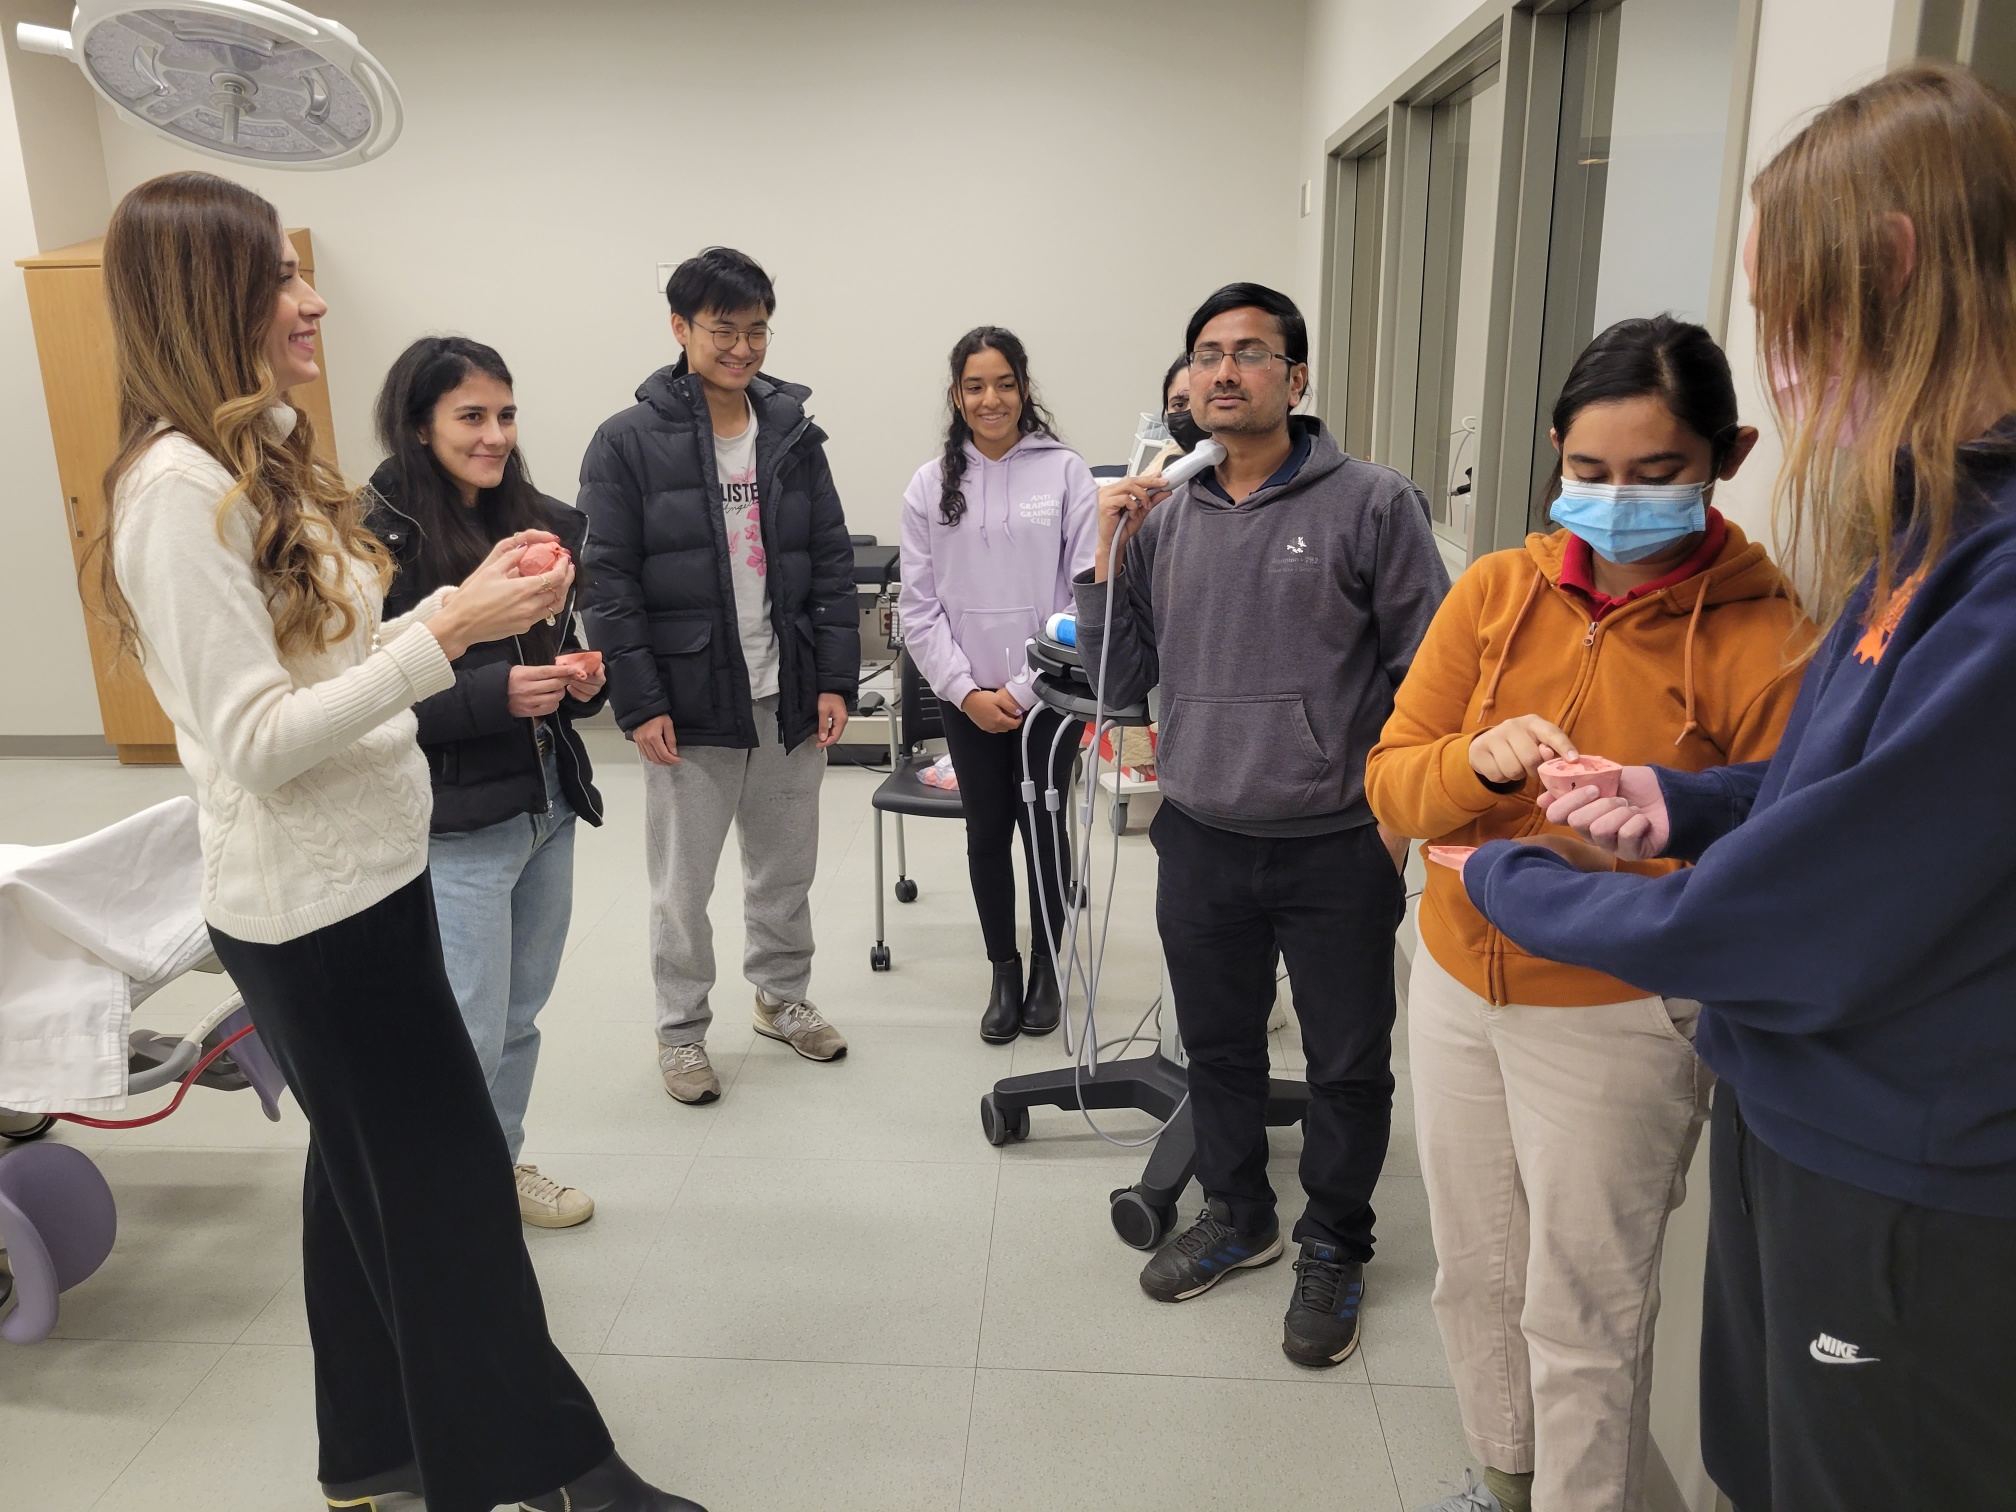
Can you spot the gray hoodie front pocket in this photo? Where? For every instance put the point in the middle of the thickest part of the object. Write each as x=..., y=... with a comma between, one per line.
x=1252, y=757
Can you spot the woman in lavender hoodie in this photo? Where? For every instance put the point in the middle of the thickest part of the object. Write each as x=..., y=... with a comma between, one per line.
x=993, y=532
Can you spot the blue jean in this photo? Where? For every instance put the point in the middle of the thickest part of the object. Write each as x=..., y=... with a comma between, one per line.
x=505, y=895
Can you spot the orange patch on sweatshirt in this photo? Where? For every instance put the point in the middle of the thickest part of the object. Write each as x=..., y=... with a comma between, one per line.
x=1876, y=639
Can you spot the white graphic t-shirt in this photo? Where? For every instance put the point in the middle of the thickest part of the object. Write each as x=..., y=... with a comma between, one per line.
x=735, y=461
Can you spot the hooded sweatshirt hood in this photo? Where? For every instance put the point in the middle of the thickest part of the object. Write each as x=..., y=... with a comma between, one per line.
x=975, y=592
x=1698, y=674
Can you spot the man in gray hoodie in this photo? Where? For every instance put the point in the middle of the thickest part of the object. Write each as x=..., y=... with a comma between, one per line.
x=1277, y=601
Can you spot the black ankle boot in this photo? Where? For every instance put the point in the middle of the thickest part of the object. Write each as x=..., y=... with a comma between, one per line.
x=1042, y=1004
x=611, y=1486
x=1001, y=1020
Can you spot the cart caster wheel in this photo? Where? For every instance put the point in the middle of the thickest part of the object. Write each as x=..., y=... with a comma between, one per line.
x=22, y=1127
x=1118, y=815
x=878, y=957
x=906, y=890
x=1140, y=1223
x=1002, y=1126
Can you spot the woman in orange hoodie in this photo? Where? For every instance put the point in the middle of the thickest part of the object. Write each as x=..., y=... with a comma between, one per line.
x=1557, y=1109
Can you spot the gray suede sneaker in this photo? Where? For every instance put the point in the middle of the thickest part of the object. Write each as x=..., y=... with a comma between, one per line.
x=1473, y=1497
x=689, y=1075
x=801, y=1026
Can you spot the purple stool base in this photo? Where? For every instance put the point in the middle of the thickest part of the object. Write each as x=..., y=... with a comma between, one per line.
x=57, y=1223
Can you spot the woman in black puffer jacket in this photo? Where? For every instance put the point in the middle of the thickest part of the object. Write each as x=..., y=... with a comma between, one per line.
x=510, y=772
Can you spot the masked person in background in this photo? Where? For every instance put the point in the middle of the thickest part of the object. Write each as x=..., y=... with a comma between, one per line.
x=1557, y=1107
x=1277, y=601
x=993, y=532
x=1847, y=924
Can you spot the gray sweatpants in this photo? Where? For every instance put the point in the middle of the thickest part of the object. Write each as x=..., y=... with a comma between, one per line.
x=773, y=799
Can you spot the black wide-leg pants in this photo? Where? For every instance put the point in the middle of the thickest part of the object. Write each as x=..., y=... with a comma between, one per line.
x=1225, y=904
x=1855, y=1349
x=430, y=1336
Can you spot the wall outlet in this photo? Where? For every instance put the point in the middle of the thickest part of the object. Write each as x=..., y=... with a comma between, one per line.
x=1308, y=201
x=665, y=269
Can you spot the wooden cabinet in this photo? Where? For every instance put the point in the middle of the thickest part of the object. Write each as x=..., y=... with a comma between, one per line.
x=73, y=340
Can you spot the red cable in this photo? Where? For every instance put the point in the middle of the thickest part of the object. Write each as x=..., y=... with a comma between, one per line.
x=180, y=1092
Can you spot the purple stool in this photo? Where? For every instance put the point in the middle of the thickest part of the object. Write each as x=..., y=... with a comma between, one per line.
x=57, y=1224
x=252, y=1058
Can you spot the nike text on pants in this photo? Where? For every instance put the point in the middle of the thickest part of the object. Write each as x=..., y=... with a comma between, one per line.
x=1329, y=905
x=1554, y=1143
x=1858, y=1352
x=772, y=798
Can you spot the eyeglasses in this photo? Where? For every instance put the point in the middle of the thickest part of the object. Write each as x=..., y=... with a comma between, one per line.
x=1249, y=358
x=725, y=337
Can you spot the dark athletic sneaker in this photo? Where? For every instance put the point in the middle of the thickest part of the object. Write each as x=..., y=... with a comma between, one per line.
x=1321, y=1328
x=1206, y=1253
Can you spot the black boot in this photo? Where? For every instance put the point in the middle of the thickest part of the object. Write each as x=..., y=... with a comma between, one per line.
x=1001, y=1020
x=1042, y=1004
x=611, y=1486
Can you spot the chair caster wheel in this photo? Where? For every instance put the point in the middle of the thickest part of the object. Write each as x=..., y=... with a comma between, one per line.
x=1002, y=1126
x=878, y=957
x=1140, y=1223
x=22, y=1127
x=906, y=890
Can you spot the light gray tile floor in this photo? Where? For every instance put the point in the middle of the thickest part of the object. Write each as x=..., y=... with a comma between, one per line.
x=825, y=1292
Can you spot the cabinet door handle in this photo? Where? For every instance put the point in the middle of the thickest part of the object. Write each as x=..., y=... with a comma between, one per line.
x=70, y=510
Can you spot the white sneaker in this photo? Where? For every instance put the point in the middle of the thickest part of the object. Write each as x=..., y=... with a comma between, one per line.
x=544, y=1203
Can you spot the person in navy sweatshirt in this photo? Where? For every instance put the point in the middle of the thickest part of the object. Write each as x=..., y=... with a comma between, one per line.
x=1849, y=924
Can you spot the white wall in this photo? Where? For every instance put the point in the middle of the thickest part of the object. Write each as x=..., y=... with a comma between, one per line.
x=904, y=169
x=48, y=688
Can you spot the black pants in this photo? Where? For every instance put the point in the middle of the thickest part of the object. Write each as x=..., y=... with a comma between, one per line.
x=990, y=786
x=430, y=1336
x=1856, y=1350
x=1329, y=904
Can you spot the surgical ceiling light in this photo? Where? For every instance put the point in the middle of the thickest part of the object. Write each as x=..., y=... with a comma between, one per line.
x=256, y=81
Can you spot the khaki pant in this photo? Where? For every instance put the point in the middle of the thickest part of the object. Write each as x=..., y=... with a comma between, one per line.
x=1554, y=1143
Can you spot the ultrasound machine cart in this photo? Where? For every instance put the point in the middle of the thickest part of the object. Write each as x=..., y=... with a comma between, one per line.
x=1144, y=1213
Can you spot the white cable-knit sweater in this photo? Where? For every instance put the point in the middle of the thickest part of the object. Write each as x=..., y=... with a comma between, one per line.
x=314, y=795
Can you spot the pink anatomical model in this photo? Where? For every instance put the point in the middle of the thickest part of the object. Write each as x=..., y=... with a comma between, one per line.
x=541, y=557
x=585, y=665
x=1451, y=856
x=1564, y=774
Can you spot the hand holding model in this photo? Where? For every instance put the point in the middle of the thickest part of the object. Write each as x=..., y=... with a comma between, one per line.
x=1514, y=750
x=1123, y=509
x=498, y=599
x=586, y=667
x=535, y=692
x=1631, y=826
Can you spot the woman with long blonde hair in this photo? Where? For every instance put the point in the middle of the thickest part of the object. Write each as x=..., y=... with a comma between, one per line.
x=239, y=568
x=1849, y=924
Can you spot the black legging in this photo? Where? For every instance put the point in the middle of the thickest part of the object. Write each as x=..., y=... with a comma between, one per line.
x=990, y=785
x=430, y=1336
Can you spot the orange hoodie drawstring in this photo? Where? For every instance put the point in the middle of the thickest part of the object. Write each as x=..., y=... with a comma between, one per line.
x=1687, y=660
x=1505, y=651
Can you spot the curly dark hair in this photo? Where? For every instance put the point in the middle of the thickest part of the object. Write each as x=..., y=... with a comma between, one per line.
x=1034, y=421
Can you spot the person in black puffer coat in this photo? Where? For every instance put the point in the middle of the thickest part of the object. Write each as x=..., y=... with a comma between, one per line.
x=510, y=771
x=722, y=593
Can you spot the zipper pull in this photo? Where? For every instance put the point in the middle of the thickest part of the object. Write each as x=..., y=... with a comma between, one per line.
x=1589, y=639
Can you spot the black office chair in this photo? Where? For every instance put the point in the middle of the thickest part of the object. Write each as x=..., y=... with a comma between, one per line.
x=918, y=718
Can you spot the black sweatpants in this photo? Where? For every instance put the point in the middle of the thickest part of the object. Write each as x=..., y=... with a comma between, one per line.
x=1855, y=1349
x=430, y=1336
x=990, y=786
x=1330, y=904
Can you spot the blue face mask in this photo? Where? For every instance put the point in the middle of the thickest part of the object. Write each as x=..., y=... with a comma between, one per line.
x=1628, y=522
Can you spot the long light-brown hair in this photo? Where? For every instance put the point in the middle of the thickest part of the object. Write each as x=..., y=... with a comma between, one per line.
x=192, y=274
x=1923, y=359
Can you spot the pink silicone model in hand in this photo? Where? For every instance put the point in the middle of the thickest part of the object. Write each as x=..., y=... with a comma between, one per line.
x=1632, y=825
x=1451, y=856
x=1564, y=774
x=583, y=664
x=541, y=557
